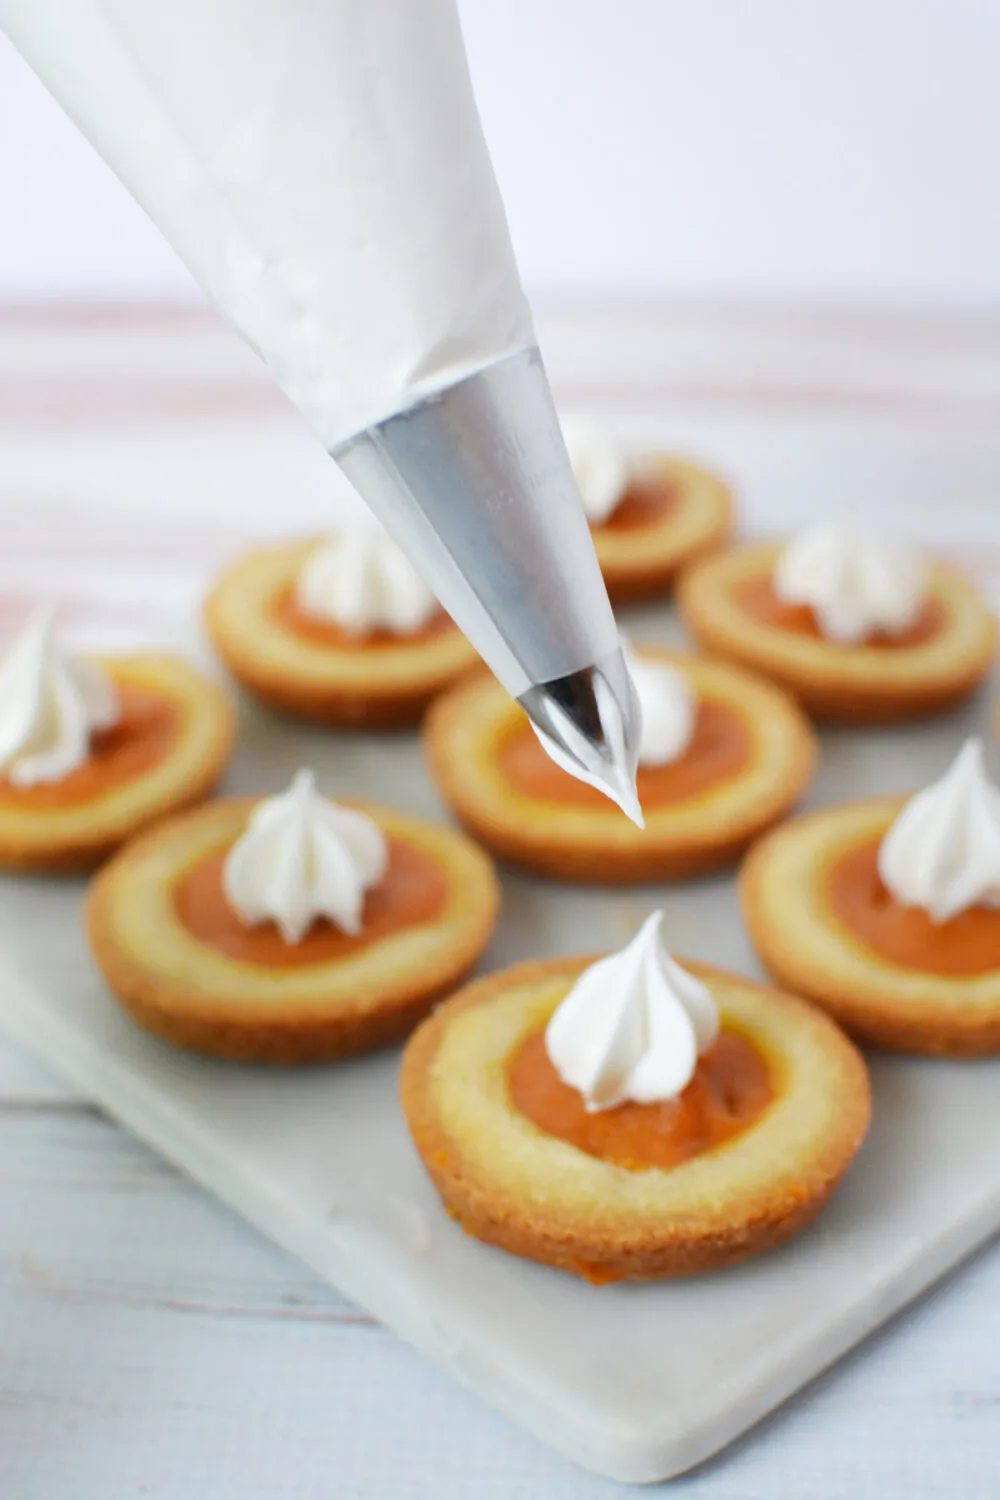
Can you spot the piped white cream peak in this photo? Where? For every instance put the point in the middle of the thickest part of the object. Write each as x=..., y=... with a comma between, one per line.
x=633, y=1026
x=599, y=465
x=942, y=853
x=360, y=580
x=303, y=857
x=668, y=708
x=51, y=702
x=856, y=584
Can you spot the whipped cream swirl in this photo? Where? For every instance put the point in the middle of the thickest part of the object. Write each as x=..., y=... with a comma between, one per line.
x=303, y=857
x=856, y=584
x=942, y=852
x=668, y=707
x=633, y=1026
x=51, y=702
x=361, y=581
x=599, y=465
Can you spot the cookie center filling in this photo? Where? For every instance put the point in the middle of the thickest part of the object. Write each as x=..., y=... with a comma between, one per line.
x=646, y=502
x=287, y=612
x=966, y=945
x=730, y=1089
x=147, y=730
x=719, y=750
x=756, y=596
x=413, y=891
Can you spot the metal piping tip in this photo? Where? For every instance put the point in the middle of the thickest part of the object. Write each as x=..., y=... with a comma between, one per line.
x=588, y=723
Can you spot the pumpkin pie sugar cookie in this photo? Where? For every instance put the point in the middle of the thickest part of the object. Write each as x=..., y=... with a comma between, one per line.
x=860, y=630
x=887, y=912
x=342, y=631
x=649, y=518
x=292, y=929
x=632, y=1117
x=93, y=749
x=723, y=755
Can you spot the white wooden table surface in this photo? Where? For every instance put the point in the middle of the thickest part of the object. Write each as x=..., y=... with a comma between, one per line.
x=150, y=1343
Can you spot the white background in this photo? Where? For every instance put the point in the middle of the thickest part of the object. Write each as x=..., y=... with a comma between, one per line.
x=776, y=150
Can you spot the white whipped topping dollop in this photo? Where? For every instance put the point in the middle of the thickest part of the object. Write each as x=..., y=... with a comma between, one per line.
x=303, y=857
x=633, y=1026
x=943, y=850
x=360, y=580
x=668, y=706
x=856, y=584
x=599, y=465
x=51, y=702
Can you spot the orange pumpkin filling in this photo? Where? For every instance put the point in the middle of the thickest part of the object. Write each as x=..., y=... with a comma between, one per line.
x=720, y=748
x=413, y=890
x=325, y=633
x=730, y=1089
x=646, y=502
x=967, y=945
x=147, y=730
x=758, y=598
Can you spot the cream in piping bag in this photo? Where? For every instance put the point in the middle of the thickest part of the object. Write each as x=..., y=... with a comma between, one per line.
x=320, y=167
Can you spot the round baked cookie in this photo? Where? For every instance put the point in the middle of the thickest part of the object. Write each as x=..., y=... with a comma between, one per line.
x=314, y=670
x=512, y=1184
x=728, y=604
x=825, y=925
x=672, y=512
x=167, y=751
x=181, y=962
x=749, y=761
